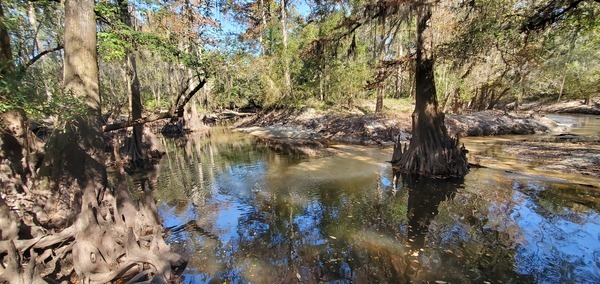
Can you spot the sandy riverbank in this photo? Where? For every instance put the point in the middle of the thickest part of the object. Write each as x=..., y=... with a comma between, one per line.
x=573, y=155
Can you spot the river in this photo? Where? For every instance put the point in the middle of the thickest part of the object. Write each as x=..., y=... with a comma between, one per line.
x=242, y=210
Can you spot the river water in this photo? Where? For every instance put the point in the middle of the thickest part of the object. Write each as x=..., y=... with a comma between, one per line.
x=242, y=210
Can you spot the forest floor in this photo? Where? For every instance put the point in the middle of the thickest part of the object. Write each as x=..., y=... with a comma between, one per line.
x=556, y=153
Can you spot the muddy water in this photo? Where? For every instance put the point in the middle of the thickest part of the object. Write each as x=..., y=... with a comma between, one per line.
x=245, y=211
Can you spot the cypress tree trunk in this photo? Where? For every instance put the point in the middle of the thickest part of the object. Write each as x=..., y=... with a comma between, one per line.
x=432, y=152
x=68, y=226
x=74, y=163
x=379, y=100
x=382, y=52
x=6, y=64
x=110, y=239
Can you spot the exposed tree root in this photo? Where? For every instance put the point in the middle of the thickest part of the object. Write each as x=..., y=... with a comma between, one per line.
x=112, y=240
x=441, y=157
x=431, y=152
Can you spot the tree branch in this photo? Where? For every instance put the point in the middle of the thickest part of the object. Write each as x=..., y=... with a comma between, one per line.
x=551, y=13
x=39, y=55
x=131, y=123
x=189, y=97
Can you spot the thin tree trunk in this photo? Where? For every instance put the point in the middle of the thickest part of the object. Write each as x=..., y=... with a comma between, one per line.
x=399, y=78
x=483, y=93
x=446, y=86
x=382, y=52
x=175, y=111
x=569, y=55
x=379, y=100
x=411, y=89
x=136, y=148
x=284, y=37
x=495, y=99
x=521, y=93
x=321, y=81
x=562, y=87
x=263, y=18
x=589, y=100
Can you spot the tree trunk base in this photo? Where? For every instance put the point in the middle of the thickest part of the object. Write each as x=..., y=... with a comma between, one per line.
x=432, y=152
x=379, y=104
x=439, y=158
x=138, y=154
x=85, y=234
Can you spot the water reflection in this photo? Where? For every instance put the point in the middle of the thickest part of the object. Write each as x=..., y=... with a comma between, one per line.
x=246, y=211
x=424, y=198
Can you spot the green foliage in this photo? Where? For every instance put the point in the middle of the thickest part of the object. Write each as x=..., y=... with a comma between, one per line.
x=236, y=79
x=333, y=54
x=34, y=87
x=10, y=97
x=571, y=58
x=20, y=94
x=112, y=47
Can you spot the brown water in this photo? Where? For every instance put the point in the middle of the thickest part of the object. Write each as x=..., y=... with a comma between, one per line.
x=245, y=211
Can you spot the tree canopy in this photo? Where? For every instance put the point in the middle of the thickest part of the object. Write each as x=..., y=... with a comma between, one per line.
x=318, y=53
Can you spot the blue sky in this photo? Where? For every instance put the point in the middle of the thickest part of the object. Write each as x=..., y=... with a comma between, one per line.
x=230, y=27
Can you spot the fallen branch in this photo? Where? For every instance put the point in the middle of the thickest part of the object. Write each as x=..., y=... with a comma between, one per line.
x=175, y=111
x=143, y=120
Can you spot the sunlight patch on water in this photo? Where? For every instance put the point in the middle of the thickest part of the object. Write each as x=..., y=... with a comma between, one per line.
x=347, y=162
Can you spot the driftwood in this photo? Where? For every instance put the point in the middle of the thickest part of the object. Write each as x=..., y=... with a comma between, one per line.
x=226, y=114
x=175, y=111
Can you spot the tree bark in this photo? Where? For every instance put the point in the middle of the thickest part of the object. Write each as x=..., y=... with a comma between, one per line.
x=68, y=220
x=263, y=22
x=74, y=163
x=562, y=87
x=432, y=152
x=589, y=100
x=6, y=63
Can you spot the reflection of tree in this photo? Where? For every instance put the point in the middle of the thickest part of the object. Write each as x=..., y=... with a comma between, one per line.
x=424, y=198
x=201, y=170
x=287, y=228
x=471, y=238
x=334, y=237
